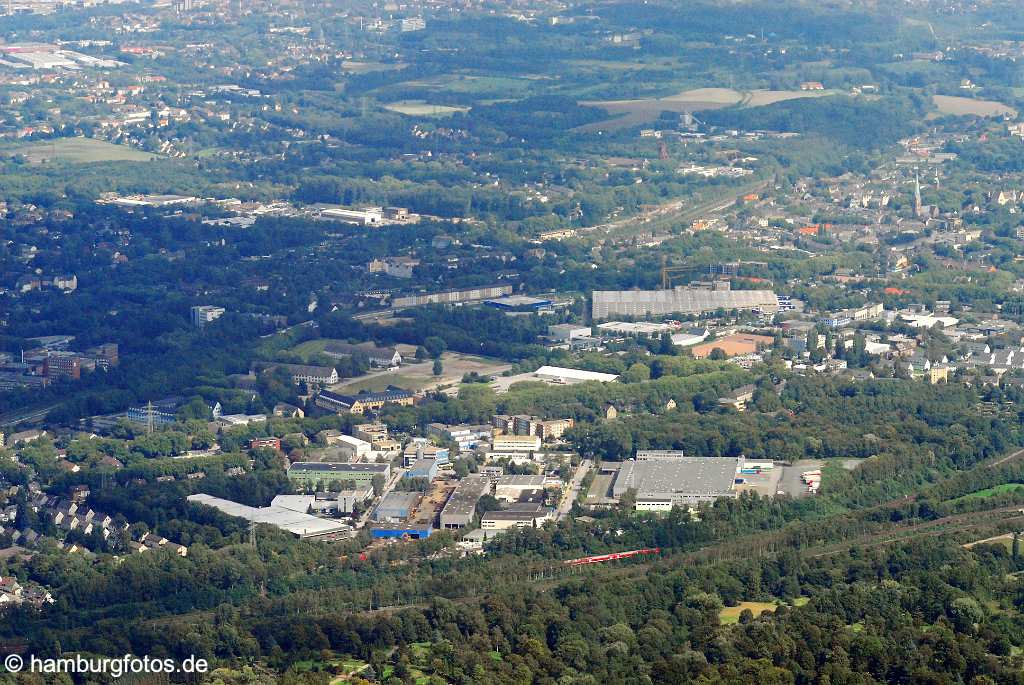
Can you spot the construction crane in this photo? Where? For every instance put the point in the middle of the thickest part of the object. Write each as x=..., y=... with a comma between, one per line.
x=601, y=558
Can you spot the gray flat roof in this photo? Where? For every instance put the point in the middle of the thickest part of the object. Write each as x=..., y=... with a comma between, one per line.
x=681, y=300
x=401, y=501
x=681, y=475
x=523, y=481
x=467, y=494
x=338, y=467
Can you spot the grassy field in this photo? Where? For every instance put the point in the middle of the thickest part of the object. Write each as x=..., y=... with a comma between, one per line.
x=77, y=151
x=421, y=377
x=958, y=106
x=731, y=615
x=991, y=492
x=419, y=108
x=469, y=84
x=312, y=348
x=627, y=113
x=1006, y=540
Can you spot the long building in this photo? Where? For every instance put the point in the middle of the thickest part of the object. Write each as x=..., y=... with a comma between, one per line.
x=608, y=303
x=363, y=401
x=315, y=475
x=452, y=296
x=460, y=508
x=663, y=481
x=297, y=523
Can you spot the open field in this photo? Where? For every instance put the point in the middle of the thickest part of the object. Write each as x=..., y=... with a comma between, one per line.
x=469, y=84
x=421, y=377
x=626, y=113
x=730, y=615
x=311, y=348
x=419, y=108
x=958, y=106
x=366, y=67
x=77, y=151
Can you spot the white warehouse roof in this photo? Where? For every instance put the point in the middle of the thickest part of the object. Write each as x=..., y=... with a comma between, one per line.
x=296, y=523
x=557, y=372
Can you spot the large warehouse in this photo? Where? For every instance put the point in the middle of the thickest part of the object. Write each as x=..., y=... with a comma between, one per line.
x=609, y=303
x=297, y=523
x=458, y=512
x=672, y=481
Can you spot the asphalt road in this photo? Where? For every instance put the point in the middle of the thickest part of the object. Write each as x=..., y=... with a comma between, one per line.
x=574, y=488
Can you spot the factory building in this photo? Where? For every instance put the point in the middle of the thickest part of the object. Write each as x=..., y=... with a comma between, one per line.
x=512, y=488
x=681, y=300
x=672, y=481
x=524, y=516
x=298, y=523
x=458, y=512
x=396, y=506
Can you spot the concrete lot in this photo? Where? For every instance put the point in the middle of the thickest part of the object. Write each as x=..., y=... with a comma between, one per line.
x=765, y=484
x=790, y=482
x=420, y=375
x=600, y=489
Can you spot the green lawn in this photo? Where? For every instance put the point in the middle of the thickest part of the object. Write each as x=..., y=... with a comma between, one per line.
x=77, y=151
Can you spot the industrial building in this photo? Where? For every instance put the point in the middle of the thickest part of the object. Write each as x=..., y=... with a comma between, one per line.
x=297, y=523
x=423, y=468
x=396, y=506
x=512, y=488
x=368, y=216
x=353, y=448
x=672, y=481
x=639, y=328
x=525, y=516
x=452, y=296
x=314, y=475
x=519, y=303
x=565, y=332
x=679, y=300
x=411, y=531
x=324, y=502
x=460, y=508
x=558, y=374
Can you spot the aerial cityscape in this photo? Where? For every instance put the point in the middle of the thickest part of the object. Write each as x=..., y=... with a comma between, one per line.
x=525, y=342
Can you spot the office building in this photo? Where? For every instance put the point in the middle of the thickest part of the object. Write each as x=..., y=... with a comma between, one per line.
x=205, y=314
x=515, y=443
